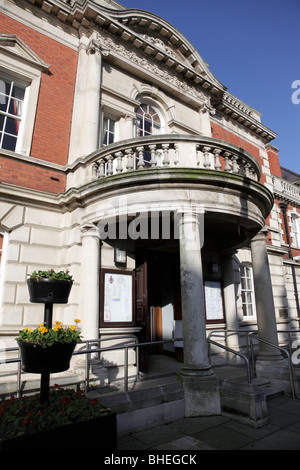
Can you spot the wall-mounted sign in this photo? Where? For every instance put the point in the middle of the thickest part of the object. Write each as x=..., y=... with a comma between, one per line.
x=213, y=301
x=117, y=297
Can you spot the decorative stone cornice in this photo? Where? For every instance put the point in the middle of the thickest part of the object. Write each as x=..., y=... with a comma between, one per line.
x=244, y=114
x=126, y=27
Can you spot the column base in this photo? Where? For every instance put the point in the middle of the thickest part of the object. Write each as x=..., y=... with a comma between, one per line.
x=201, y=391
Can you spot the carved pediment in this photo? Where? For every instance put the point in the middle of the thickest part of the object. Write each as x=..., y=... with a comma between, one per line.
x=13, y=45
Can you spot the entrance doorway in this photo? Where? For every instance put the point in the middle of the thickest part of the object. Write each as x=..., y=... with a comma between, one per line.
x=158, y=301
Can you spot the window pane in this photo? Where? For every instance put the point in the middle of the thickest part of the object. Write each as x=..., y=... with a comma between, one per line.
x=9, y=142
x=12, y=126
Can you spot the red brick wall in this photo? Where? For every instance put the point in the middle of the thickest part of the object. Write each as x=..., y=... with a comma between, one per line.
x=31, y=176
x=54, y=111
x=274, y=162
x=219, y=132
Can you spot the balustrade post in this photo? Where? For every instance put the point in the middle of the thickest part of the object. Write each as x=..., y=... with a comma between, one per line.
x=153, y=161
x=119, y=167
x=109, y=171
x=176, y=159
x=226, y=156
x=166, y=160
x=129, y=165
x=206, y=162
x=141, y=163
x=235, y=165
x=218, y=165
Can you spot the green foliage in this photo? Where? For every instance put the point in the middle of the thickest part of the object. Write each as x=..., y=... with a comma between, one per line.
x=47, y=337
x=28, y=415
x=51, y=274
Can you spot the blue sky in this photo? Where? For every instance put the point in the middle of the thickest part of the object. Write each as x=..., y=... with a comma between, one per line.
x=253, y=48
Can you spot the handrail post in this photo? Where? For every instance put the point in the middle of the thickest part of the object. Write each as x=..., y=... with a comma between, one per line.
x=87, y=370
x=19, y=378
x=289, y=361
x=126, y=368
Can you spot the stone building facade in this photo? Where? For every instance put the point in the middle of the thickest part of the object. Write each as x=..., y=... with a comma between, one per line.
x=117, y=140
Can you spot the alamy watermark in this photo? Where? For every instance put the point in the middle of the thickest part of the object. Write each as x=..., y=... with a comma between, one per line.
x=295, y=357
x=296, y=93
x=123, y=220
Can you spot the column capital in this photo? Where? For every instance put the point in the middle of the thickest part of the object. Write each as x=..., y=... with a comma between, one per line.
x=261, y=235
x=96, y=46
x=89, y=230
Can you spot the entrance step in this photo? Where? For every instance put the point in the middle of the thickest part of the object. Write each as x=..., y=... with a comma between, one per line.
x=147, y=403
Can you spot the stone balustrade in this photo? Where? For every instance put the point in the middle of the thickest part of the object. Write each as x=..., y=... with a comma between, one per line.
x=286, y=190
x=167, y=151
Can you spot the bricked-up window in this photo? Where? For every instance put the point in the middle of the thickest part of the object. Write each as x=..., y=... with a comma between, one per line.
x=247, y=291
x=11, y=107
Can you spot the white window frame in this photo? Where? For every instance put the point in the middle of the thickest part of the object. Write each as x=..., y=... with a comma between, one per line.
x=250, y=291
x=20, y=63
x=109, y=119
x=295, y=229
x=155, y=130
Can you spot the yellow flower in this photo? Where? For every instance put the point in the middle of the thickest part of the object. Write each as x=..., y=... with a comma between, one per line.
x=58, y=322
x=41, y=324
x=29, y=330
x=73, y=327
x=76, y=320
x=43, y=330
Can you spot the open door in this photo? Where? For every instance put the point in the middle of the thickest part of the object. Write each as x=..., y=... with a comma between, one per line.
x=142, y=314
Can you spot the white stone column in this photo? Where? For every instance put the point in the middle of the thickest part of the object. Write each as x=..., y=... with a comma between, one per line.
x=204, y=115
x=265, y=309
x=230, y=306
x=201, y=392
x=89, y=284
x=86, y=114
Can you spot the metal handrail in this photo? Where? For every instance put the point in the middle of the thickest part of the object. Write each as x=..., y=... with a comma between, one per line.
x=251, y=335
x=210, y=341
x=87, y=352
x=238, y=332
x=92, y=351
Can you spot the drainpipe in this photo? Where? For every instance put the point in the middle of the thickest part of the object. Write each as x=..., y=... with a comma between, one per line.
x=283, y=207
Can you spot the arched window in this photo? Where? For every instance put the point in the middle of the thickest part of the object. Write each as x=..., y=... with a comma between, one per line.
x=148, y=121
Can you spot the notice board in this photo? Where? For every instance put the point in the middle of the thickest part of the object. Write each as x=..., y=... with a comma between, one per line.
x=117, y=298
x=213, y=301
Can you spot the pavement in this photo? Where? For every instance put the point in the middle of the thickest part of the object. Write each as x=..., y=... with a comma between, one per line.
x=219, y=433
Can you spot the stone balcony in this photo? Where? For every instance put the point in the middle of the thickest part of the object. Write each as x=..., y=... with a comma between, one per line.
x=165, y=151
x=171, y=172
x=285, y=190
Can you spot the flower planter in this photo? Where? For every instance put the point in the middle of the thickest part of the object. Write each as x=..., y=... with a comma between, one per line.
x=49, y=291
x=50, y=359
x=95, y=433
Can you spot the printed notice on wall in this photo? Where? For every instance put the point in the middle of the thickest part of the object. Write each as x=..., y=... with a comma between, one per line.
x=117, y=297
x=213, y=300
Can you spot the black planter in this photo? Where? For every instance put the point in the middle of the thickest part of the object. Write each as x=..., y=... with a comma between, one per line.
x=49, y=291
x=48, y=360
x=94, y=433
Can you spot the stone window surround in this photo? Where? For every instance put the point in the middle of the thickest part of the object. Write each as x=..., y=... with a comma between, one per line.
x=18, y=61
